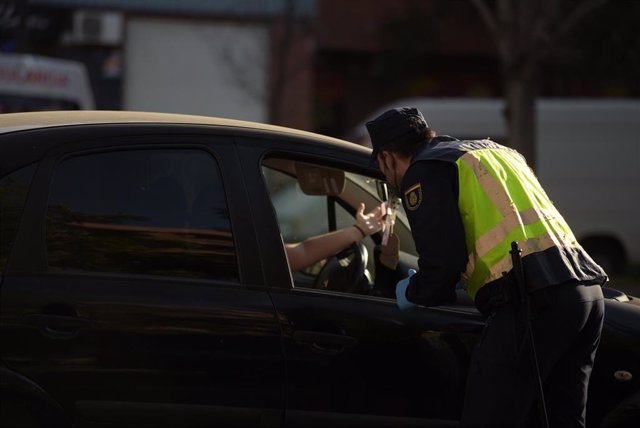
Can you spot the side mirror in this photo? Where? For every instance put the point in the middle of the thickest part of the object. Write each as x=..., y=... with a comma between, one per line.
x=316, y=180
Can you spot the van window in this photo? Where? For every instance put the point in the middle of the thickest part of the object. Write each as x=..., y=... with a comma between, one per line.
x=13, y=194
x=148, y=212
x=17, y=104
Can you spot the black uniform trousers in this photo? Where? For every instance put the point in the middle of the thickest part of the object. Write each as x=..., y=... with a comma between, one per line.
x=566, y=322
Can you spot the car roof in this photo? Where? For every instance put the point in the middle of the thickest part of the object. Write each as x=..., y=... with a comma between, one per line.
x=12, y=122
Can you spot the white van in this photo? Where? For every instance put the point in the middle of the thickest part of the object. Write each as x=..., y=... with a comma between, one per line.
x=32, y=83
x=587, y=158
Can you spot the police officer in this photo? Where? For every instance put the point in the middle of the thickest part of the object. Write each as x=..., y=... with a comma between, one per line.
x=466, y=201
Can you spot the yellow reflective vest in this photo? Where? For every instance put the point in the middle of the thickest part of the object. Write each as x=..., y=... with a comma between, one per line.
x=500, y=201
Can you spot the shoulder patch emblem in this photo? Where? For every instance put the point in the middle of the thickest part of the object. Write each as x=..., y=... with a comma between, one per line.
x=413, y=197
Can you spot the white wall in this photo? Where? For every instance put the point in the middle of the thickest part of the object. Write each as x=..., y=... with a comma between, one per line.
x=463, y=118
x=196, y=67
x=589, y=162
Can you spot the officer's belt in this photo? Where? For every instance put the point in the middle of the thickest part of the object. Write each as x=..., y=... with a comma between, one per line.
x=498, y=293
x=494, y=295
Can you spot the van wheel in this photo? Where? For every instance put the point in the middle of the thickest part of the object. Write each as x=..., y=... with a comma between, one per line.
x=607, y=252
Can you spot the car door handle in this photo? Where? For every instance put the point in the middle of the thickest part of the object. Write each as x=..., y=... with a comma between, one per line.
x=59, y=326
x=324, y=343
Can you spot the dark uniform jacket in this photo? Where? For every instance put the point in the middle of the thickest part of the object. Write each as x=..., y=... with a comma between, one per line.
x=439, y=234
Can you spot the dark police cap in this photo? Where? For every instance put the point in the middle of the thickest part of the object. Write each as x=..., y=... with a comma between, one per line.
x=398, y=125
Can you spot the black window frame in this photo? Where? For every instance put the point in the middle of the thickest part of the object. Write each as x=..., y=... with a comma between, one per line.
x=8, y=241
x=325, y=160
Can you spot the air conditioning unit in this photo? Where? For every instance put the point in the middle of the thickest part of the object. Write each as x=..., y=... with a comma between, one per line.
x=91, y=27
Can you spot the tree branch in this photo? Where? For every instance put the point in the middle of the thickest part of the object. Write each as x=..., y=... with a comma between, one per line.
x=499, y=25
x=545, y=39
x=585, y=7
x=489, y=18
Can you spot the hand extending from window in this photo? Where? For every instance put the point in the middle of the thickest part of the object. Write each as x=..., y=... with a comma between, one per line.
x=371, y=222
x=311, y=250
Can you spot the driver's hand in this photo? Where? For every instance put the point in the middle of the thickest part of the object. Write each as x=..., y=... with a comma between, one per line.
x=371, y=222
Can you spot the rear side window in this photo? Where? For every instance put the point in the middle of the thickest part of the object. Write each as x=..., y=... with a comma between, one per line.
x=147, y=212
x=13, y=194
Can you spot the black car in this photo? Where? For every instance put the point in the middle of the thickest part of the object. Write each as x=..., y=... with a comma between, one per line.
x=145, y=283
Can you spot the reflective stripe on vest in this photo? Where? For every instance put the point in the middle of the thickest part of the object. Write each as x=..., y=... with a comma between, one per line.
x=498, y=184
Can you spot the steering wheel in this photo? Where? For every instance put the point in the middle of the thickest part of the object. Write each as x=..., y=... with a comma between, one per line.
x=345, y=271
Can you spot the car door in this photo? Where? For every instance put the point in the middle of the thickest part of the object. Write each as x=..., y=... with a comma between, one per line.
x=126, y=297
x=355, y=359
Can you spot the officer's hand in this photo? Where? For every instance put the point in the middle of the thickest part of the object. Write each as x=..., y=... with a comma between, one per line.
x=401, y=293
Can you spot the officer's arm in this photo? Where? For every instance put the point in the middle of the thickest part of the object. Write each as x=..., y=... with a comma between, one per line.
x=437, y=229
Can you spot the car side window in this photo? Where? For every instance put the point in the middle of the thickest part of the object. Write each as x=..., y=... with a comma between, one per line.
x=13, y=194
x=147, y=212
x=300, y=216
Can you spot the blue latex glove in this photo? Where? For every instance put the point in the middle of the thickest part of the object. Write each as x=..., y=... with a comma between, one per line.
x=401, y=293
